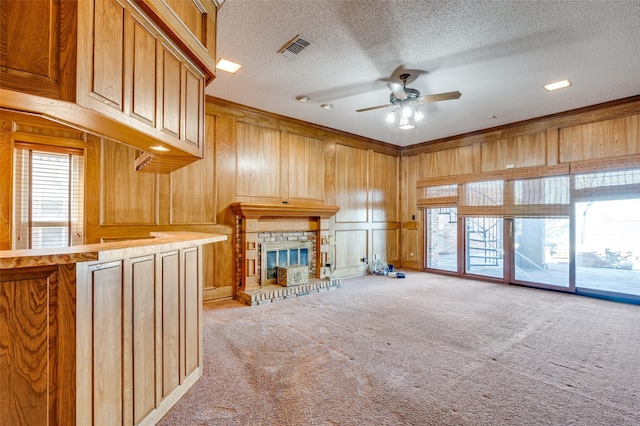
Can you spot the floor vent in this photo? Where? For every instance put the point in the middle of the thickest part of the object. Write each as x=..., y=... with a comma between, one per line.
x=293, y=47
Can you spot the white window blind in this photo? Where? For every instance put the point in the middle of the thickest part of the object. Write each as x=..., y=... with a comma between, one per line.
x=48, y=197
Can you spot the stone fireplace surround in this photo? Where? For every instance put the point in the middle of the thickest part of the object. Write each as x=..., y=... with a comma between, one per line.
x=258, y=223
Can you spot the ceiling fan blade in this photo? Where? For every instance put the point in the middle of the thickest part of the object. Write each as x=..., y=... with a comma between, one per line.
x=439, y=97
x=397, y=90
x=372, y=108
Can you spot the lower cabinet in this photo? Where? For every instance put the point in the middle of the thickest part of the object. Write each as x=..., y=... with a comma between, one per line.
x=112, y=341
x=139, y=336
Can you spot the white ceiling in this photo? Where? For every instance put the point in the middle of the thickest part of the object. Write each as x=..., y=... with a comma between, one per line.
x=499, y=54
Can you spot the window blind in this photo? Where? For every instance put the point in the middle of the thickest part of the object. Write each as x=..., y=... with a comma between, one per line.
x=48, y=196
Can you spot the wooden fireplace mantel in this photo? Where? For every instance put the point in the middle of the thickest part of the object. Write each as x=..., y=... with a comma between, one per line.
x=264, y=210
x=268, y=217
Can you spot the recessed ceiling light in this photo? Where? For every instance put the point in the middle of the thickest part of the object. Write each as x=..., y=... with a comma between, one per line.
x=302, y=98
x=407, y=127
x=160, y=148
x=557, y=85
x=228, y=66
x=492, y=117
x=327, y=106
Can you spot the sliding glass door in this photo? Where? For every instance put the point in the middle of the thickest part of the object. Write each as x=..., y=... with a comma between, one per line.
x=484, y=253
x=541, y=252
x=608, y=246
x=442, y=239
x=577, y=231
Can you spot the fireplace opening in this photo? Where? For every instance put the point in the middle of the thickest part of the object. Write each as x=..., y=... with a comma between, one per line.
x=274, y=255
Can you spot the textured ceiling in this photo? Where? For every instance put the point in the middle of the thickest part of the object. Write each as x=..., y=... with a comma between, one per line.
x=499, y=54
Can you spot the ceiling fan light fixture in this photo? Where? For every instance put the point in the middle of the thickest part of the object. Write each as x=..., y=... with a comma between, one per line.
x=406, y=123
x=418, y=115
x=391, y=117
x=407, y=111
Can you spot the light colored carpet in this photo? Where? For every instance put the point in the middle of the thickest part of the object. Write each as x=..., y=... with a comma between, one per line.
x=426, y=350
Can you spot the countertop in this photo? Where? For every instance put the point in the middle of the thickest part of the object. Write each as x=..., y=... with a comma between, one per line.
x=10, y=259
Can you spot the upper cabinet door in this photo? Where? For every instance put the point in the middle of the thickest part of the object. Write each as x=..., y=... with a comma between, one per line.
x=38, y=47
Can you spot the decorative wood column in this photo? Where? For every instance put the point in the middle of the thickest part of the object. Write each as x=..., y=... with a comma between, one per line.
x=263, y=217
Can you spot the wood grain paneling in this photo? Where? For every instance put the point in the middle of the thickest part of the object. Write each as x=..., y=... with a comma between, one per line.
x=385, y=243
x=23, y=351
x=258, y=161
x=144, y=74
x=37, y=345
x=171, y=92
x=6, y=183
x=108, y=47
x=144, y=321
x=107, y=287
x=385, y=181
x=193, y=108
x=351, y=184
x=191, y=310
x=306, y=167
x=412, y=245
x=170, y=279
x=223, y=131
x=521, y=151
x=411, y=234
x=62, y=325
x=128, y=197
x=603, y=139
x=191, y=15
x=40, y=58
x=450, y=162
x=351, y=247
x=189, y=24
x=193, y=194
x=37, y=47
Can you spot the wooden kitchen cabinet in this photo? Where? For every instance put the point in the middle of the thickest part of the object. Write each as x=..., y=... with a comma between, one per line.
x=137, y=68
x=38, y=47
x=130, y=71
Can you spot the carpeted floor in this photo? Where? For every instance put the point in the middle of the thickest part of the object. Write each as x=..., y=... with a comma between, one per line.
x=426, y=350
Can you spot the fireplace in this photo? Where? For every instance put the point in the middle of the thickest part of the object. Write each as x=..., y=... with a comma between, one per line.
x=292, y=233
x=274, y=255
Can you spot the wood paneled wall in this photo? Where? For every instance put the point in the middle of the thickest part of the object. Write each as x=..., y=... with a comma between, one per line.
x=604, y=132
x=261, y=157
x=604, y=139
x=124, y=204
x=254, y=156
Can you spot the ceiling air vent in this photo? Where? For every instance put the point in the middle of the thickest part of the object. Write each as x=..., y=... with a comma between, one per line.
x=293, y=47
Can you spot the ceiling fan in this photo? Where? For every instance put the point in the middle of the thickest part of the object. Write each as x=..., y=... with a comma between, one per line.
x=401, y=95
